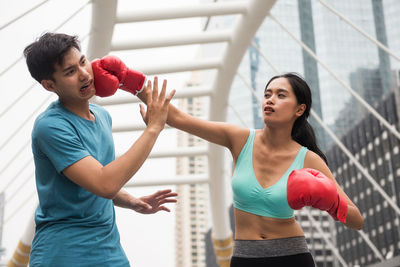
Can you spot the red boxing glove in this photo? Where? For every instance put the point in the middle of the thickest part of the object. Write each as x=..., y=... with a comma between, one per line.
x=309, y=187
x=110, y=73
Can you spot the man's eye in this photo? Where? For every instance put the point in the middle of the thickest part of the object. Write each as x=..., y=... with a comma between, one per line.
x=70, y=72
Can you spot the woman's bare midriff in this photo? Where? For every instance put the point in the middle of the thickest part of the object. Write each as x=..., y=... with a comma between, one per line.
x=249, y=226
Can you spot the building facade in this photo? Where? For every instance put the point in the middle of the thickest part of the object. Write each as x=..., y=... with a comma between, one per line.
x=378, y=152
x=191, y=220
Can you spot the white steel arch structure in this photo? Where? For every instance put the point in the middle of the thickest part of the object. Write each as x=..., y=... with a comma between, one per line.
x=237, y=39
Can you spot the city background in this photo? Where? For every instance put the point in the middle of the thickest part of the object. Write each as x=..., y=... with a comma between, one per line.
x=348, y=51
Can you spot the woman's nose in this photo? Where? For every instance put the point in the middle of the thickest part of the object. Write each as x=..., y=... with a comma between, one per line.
x=270, y=100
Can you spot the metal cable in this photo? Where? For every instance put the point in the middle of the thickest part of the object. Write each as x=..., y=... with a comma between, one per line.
x=14, y=194
x=24, y=122
x=385, y=123
x=57, y=28
x=351, y=24
x=12, y=180
x=326, y=239
x=15, y=156
x=23, y=203
x=22, y=15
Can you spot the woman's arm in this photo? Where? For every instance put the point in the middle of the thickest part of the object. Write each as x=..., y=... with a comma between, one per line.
x=228, y=135
x=354, y=219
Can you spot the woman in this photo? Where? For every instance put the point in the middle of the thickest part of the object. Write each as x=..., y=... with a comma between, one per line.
x=277, y=169
x=263, y=160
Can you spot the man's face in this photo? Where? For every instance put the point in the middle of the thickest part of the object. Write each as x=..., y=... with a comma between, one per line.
x=73, y=79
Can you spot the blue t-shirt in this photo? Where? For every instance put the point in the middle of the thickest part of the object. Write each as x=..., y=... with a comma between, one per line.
x=74, y=227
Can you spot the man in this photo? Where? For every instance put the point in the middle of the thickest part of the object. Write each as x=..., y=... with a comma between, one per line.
x=78, y=179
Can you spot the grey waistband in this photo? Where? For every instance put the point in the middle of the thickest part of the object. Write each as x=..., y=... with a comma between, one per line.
x=270, y=248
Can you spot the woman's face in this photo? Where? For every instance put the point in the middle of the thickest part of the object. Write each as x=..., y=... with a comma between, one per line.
x=280, y=103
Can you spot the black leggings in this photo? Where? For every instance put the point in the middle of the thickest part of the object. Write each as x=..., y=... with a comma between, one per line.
x=303, y=260
x=291, y=251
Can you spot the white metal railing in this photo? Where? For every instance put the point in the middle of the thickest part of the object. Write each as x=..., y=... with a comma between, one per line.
x=183, y=11
x=173, y=180
x=129, y=99
x=172, y=40
x=179, y=152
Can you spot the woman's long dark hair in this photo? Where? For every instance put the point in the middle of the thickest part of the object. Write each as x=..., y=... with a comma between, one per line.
x=302, y=131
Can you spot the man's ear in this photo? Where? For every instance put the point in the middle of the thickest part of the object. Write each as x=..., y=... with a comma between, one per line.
x=300, y=109
x=48, y=85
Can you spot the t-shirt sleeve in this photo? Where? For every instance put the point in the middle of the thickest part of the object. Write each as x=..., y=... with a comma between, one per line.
x=59, y=141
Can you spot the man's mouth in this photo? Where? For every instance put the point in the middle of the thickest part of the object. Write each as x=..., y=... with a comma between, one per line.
x=83, y=88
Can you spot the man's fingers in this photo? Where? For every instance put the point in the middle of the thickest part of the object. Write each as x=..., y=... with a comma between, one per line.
x=163, y=90
x=165, y=209
x=155, y=88
x=165, y=194
x=164, y=191
x=167, y=200
x=142, y=111
x=170, y=195
x=149, y=95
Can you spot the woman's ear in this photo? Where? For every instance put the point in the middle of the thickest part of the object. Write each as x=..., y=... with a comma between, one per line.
x=48, y=85
x=300, y=109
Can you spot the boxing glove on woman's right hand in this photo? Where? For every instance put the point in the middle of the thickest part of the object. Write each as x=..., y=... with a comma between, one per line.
x=110, y=73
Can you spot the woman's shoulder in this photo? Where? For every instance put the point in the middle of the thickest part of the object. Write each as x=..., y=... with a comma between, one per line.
x=242, y=133
x=313, y=160
x=239, y=139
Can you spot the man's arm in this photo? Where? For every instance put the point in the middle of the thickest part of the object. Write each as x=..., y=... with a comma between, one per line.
x=107, y=181
x=146, y=204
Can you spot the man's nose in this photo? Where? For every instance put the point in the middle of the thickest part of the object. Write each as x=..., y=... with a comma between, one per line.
x=84, y=73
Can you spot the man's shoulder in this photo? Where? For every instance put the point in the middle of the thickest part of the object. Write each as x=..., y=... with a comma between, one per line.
x=52, y=117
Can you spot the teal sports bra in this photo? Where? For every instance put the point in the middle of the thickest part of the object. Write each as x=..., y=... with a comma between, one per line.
x=249, y=196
